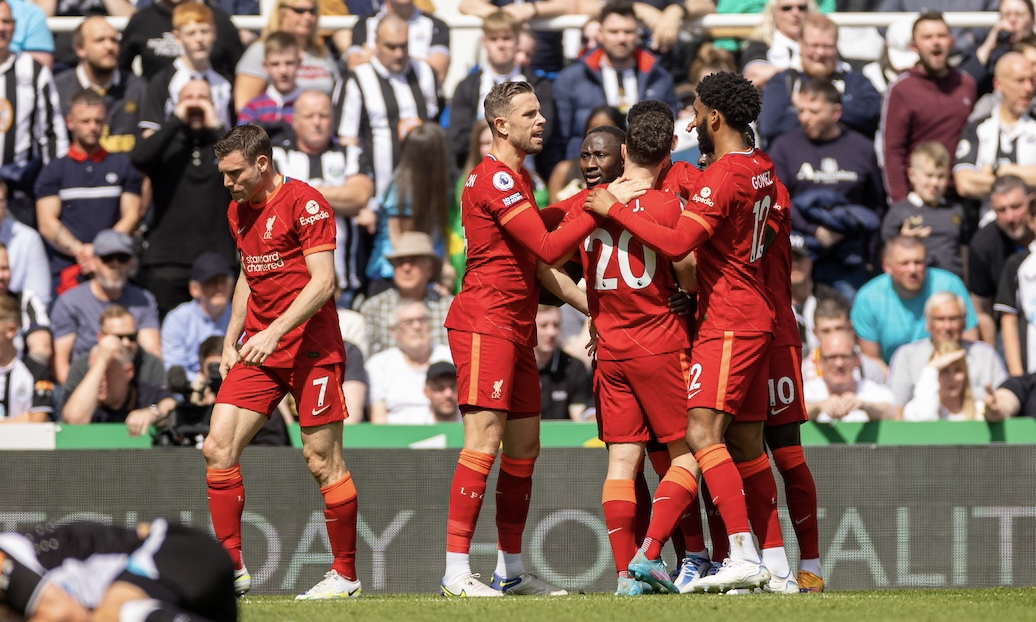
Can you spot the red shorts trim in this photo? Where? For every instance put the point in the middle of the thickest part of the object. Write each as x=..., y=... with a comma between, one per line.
x=317, y=390
x=643, y=398
x=787, y=404
x=494, y=373
x=729, y=373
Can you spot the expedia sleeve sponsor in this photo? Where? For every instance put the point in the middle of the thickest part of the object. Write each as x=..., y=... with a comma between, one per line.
x=263, y=263
x=308, y=220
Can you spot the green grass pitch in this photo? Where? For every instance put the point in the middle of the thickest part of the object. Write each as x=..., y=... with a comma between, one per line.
x=913, y=605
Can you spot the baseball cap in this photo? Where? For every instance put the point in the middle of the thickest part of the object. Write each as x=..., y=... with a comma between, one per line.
x=441, y=368
x=110, y=242
x=798, y=248
x=209, y=265
x=898, y=38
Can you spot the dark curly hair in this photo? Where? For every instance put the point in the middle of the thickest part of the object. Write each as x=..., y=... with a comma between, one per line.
x=650, y=135
x=648, y=105
x=732, y=96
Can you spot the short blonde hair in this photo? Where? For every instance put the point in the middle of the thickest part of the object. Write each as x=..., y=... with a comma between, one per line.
x=931, y=151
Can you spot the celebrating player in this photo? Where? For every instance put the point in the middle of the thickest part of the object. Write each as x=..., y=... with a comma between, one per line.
x=491, y=332
x=283, y=307
x=787, y=413
x=642, y=351
x=727, y=218
x=104, y=573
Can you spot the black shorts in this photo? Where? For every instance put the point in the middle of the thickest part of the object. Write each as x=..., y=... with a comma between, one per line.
x=188, y=569
x=20, y=575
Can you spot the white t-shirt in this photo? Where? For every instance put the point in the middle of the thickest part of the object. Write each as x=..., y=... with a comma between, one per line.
x=401, y=386
x=815, y=390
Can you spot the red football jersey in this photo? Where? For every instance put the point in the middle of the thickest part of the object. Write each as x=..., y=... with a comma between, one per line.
x=777, y=272
x=681, y=179
x=505, y=237
x=274, y=239
x=628, y=285
x=725, y=221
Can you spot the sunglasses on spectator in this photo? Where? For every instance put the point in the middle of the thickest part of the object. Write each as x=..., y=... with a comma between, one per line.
x=117, y=257
x=131, y=337
x=301, y=11
x=801, y=7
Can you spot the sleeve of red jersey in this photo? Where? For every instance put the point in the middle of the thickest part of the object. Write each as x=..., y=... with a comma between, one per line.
x=314, y=221
x=518, y=216
x=686, y=177
x=698, y=221
x=563, y=211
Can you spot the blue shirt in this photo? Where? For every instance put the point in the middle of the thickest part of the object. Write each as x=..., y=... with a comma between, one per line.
x=78, y=312
x=183, y=330
x=30, y=28
x=377, y=266
x=881, y=316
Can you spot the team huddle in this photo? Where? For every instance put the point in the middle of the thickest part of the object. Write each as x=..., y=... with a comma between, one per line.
x=714, y=393
x=702, y=400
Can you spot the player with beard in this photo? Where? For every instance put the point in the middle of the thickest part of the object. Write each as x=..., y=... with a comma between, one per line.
x=727, y=218
x=491, y=327
x=283, y=307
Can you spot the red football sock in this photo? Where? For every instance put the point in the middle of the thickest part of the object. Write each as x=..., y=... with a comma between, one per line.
x=801, y=493
x=660, y=462
x=690, y=529
x=514, y=494
x=619, y=502
x=761, y=498
x=717, y=530
x=725, y=487
x=466, y=493
x=643, y=497
x=226, y=493
x=340, y=507
x=675, y=493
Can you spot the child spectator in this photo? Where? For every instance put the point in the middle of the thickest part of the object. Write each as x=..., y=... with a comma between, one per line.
x=27, y=397
x=281, y=59
x=193, y=28
x=926, y=214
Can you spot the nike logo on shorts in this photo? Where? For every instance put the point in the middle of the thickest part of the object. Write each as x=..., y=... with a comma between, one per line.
x=776, y=411
x=319, y=411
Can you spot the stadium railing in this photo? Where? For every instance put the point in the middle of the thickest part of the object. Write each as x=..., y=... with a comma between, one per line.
x=1020, y=431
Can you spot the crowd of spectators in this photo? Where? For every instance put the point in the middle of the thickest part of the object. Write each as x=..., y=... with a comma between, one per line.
x=910, y=158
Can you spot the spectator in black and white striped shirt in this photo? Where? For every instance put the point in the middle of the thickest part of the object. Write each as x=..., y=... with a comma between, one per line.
x=385, y=99
x=31, y=129
x=339, y=173
x=429, y=36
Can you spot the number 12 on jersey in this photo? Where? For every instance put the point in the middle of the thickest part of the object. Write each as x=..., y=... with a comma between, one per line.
x=761, y=210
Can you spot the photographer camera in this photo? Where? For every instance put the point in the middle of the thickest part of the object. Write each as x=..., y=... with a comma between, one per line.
x=189, y=423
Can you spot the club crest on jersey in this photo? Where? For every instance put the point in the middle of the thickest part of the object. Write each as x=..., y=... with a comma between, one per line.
x=312, y=207
x=503, y=181
x=703, y=196
x=269, y=227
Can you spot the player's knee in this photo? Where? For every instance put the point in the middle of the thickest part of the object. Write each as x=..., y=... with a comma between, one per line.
x=786, y=435
x=218, y=455
x=745, y=442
